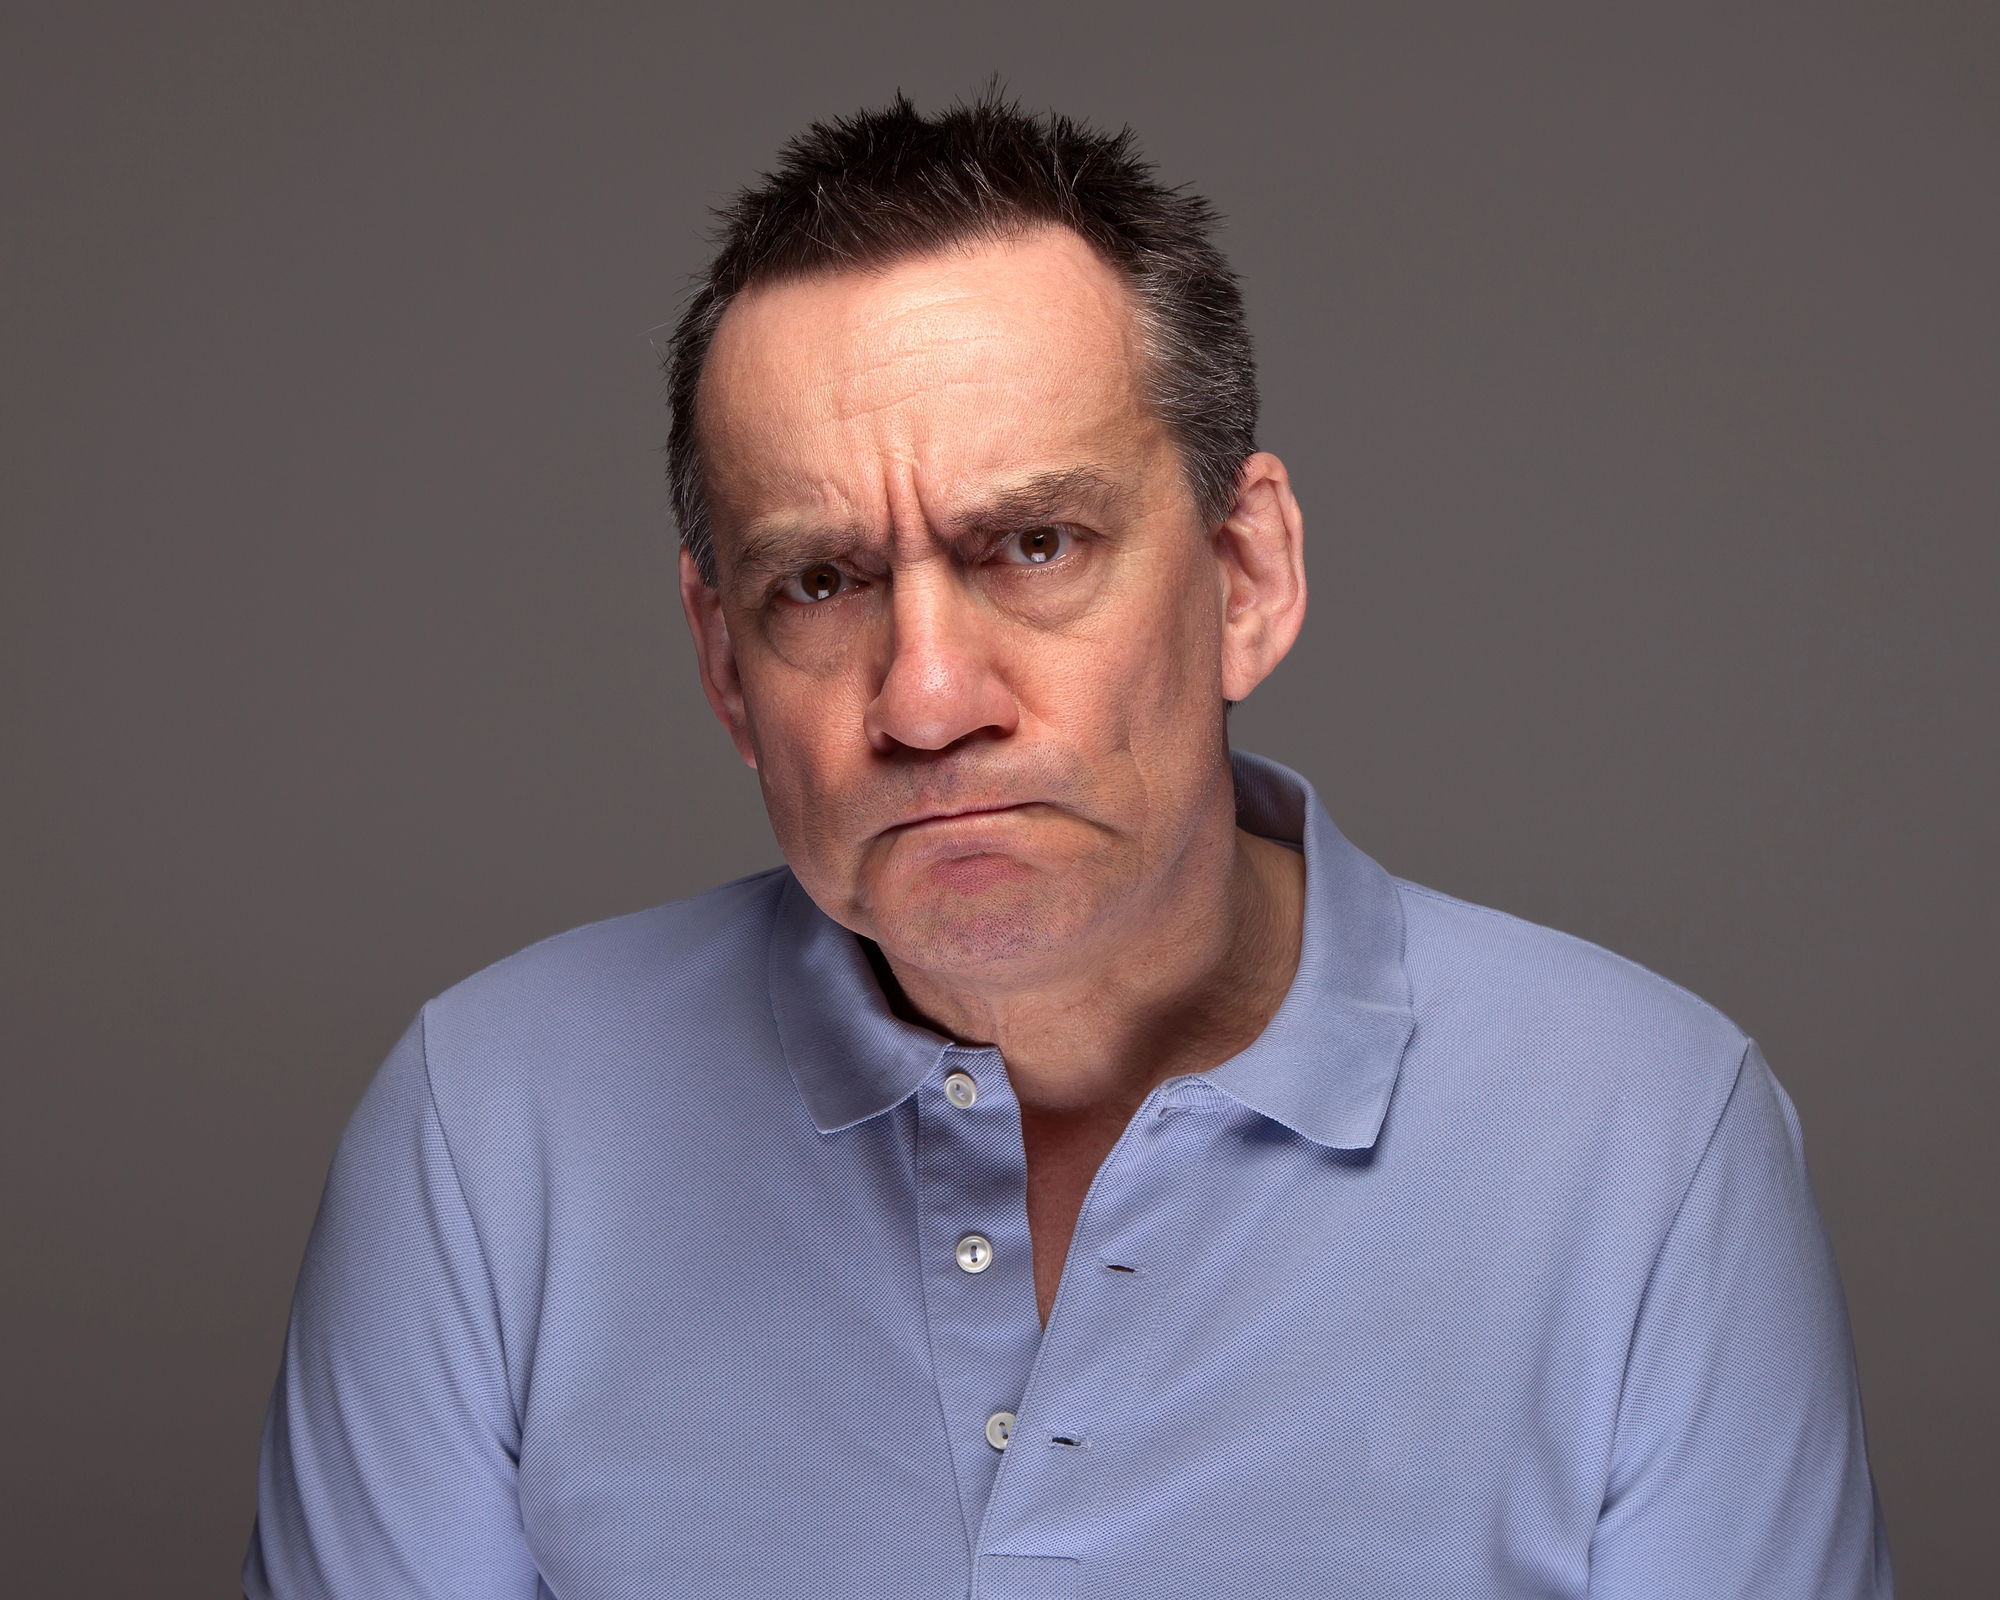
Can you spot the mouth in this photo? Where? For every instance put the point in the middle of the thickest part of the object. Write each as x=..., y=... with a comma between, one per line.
x=961, y=814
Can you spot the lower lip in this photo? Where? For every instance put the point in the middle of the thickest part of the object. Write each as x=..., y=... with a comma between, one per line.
x=969, y=850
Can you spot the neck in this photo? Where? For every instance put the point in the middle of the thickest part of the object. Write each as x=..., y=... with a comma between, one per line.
x=1185, y=981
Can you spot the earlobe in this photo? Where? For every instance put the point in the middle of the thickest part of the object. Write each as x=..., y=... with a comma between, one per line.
x=715, y=655
x=1260, y=557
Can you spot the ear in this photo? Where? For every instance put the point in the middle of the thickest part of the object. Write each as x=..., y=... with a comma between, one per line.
x=717, y=656
x=1260, y=562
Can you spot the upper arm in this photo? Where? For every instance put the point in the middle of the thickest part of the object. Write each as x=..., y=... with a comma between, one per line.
x=1739, y=1467
x=388, y=1462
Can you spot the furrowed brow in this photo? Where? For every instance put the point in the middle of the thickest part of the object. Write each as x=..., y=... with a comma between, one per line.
x=759, y=554
x=1046, y=497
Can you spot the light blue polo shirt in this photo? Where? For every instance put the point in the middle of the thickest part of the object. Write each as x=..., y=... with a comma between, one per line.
x=662, y=1260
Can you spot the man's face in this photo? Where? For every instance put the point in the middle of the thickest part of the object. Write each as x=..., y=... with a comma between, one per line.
x=973, y=623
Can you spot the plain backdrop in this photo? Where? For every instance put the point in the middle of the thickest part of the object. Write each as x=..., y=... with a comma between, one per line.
x=1636, y=365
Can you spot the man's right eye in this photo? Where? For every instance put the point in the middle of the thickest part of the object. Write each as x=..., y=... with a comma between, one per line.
x=820, y=581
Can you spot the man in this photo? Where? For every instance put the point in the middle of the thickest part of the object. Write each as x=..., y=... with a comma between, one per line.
x=1081, y=1172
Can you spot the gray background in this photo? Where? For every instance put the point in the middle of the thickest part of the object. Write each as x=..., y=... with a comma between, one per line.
x=1637, y=369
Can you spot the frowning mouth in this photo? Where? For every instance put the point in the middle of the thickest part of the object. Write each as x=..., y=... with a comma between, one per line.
x=961, y=814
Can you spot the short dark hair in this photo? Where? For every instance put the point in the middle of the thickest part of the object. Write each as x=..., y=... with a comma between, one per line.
x=864, y=191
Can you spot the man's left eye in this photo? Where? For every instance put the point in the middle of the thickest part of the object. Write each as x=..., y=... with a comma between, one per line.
x=1037, y=547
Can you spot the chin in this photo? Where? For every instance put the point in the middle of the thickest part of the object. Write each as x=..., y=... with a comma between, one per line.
x=998, y=928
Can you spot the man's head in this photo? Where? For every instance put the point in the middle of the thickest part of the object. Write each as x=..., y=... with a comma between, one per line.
x=976, y=543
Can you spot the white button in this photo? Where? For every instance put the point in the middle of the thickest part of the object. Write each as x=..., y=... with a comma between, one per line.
x=975, y=1252
x=961, y=1089
x=999, y=1429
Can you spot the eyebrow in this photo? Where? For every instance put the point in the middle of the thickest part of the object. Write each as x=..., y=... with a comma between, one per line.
x=764, y=550
x=1046, y=497
x=767, y=549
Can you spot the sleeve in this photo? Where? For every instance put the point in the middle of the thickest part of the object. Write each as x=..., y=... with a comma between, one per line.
x=1739, y=1468
x=390, y=1449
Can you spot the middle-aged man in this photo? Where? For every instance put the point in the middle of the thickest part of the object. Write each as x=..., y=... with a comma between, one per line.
x=1079, y=1171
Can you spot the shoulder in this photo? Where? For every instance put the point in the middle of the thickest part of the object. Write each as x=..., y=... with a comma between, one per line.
x=1561, y=1027
x=594, y=1004
x=703, y=933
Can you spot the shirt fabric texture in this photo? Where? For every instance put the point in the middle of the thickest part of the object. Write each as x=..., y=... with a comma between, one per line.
x=1490, y=1269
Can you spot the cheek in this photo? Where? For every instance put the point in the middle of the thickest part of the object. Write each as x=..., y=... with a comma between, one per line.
x=1157, y=663
x=807, y=733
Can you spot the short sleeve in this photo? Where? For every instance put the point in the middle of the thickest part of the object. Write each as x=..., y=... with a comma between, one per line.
x=1740, y=1468
x=389, y=1452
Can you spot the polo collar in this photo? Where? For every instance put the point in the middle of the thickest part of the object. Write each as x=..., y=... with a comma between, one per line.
x=851, y=1057
x=1325, y=1066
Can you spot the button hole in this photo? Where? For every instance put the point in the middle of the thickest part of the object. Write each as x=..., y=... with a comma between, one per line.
x=1115, y=1267
x=1064, y=1439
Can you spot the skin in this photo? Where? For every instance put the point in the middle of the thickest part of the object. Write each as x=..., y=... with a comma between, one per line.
x=975, y=639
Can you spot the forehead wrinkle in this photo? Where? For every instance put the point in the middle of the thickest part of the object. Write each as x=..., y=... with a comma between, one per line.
x=848, y=407
x=887, y=381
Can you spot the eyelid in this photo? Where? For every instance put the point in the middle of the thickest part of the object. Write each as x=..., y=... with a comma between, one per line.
x=1008, y=541
x=780, y=589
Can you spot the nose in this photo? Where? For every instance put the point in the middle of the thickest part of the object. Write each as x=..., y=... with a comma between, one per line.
x=940, y=685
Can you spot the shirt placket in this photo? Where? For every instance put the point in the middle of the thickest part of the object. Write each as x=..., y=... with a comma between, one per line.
x=1073, y=1457
x=978, y=1269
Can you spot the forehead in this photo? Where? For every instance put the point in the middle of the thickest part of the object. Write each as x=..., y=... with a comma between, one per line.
x=863, y=395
